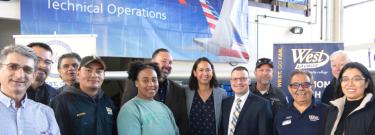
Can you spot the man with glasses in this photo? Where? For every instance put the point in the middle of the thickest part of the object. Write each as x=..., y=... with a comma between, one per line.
x=263, y=87
x=39, y=90
x=84, y=109
x=302, y=116
x=67, y=66
x=18, y=114
x=245, y=113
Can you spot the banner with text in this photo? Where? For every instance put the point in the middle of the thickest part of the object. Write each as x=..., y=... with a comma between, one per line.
x=313, y=57
x=190, y=29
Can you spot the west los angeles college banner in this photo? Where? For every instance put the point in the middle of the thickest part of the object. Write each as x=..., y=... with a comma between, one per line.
x=313, y=57
x=216, y=29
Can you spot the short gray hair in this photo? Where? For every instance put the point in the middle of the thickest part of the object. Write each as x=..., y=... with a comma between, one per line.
x=19, y=49
x=340, y=53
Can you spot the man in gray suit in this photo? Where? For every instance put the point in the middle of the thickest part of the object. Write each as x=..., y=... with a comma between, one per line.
x=169, y=92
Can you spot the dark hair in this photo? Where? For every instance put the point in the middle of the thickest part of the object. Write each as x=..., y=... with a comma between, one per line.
x=68, y=55
x=157, y=51
x=240, y=68
x=366, y=74
x=137, y=66
x=193, y=82
x=40, y=44
x=304, y=72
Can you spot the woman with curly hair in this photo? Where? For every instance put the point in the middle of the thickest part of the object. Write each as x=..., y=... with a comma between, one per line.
x=143, y=115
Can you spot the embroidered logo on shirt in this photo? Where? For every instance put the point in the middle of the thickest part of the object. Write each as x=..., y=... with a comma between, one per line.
x=109, y=110
x=275, y=99
x=313, y=118
x=81, y=114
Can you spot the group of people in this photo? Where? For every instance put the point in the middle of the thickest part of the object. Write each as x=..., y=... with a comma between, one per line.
x=154, y=104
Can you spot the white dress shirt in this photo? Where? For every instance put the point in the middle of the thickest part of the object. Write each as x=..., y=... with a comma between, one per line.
x=243, y=100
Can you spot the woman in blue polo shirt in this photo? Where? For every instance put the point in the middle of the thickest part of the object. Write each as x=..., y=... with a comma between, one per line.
x=302, y=116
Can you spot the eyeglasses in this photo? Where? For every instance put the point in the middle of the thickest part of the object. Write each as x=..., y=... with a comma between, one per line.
x=304, y=85
x=15, y=67
x=45, y=61
x=356, y=79
x=241, y=79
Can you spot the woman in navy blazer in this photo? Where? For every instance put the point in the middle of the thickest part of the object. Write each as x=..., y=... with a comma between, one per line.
x=203, y=99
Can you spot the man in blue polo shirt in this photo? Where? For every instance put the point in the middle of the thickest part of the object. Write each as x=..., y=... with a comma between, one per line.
x=302, y=116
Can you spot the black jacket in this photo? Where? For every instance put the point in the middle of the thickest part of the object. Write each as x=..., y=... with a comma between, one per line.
x=275, y=95
x=79, y=114
x=43, y=94
x=372, y=130
x=330, y=92
x=357, y=122
x=175, y=100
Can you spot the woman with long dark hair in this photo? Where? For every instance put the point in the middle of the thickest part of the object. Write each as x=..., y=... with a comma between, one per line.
x=352, y=113
x=203, y=98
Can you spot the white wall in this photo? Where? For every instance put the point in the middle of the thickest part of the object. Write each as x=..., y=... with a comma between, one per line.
x=10, y=9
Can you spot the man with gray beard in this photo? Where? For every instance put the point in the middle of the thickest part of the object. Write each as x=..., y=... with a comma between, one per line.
x=39, y=91
x=263, y=75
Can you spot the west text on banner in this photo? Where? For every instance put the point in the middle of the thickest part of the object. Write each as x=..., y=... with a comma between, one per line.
x=312, y=57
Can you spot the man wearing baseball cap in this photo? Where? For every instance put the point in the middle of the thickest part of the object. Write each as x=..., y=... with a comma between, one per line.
x=263, y=87
x=83, y=109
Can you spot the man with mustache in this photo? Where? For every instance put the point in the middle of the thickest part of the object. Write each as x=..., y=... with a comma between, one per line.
x=302, y=116
x=84, y=109
x=263, y=87
x=67, y=66
x=169, y=92
x=39, y=90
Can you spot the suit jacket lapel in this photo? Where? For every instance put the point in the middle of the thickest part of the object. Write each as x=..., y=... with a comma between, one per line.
x=227, y=107
x=244, y=108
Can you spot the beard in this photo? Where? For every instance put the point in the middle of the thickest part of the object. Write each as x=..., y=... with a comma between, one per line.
x=164, y=74
x=41, y=77
x=265, y=81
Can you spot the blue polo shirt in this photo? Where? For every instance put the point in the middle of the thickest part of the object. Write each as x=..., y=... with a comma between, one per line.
x=289, y=121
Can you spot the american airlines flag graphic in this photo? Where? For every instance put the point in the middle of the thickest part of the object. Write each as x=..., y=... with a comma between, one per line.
x=227, y=29
x=210, y=13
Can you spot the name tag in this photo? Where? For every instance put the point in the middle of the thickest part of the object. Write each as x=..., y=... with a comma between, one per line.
x=109, y=110
x=286, y=122
x=81, y=114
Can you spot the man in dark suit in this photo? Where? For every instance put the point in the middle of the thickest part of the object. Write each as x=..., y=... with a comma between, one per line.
x=245, y=113
x=170, y=93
